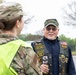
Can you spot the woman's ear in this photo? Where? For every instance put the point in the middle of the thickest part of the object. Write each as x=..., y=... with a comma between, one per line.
x=17, y=24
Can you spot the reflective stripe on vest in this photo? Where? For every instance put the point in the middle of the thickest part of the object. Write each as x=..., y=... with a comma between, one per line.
x=7, y=53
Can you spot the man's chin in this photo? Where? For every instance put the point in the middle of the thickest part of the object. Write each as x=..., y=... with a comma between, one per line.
x=51, y=38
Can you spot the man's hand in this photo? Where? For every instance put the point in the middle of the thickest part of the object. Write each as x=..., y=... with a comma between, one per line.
x=44, y=68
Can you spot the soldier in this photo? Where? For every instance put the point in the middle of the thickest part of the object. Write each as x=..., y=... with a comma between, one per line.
x=16, y=56
x=55, y=55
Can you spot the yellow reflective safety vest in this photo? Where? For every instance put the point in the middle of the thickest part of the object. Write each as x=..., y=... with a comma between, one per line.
x=7, y=53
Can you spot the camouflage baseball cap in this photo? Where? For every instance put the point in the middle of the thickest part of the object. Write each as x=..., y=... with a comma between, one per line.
x=53, y=22
x=10, y=10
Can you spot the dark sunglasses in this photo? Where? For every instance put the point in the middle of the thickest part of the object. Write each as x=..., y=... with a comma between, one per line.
x=53, y=29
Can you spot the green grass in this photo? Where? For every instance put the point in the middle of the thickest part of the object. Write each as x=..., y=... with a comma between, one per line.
x=74, y=52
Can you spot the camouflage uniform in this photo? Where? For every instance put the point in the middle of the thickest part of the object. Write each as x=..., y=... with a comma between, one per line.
x=25, y=61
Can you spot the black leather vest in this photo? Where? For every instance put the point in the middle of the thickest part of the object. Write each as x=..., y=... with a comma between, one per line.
x=46, y=57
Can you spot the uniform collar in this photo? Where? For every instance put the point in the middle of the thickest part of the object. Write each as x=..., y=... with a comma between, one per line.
x=7, y=36
x=4, y=38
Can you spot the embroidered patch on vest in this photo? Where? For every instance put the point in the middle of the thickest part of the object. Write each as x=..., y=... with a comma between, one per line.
x=63, y=59
x=63, y=44
x=39, y=48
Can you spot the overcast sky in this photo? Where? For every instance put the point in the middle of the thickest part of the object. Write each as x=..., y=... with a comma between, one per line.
x=42, y=10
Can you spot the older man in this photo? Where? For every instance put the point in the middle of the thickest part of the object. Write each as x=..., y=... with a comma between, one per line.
x=55, y=55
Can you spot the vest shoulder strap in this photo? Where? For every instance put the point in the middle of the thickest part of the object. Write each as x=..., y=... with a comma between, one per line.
x=64, y=48
x=63, y=57
x=9, y=49
x=38, y=48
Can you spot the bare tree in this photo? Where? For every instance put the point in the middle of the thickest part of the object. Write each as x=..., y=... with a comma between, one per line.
x=28, y=19
x=39, y=32
x=69, y=14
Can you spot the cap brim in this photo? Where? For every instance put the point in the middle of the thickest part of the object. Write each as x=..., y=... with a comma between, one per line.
x=51, y=24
